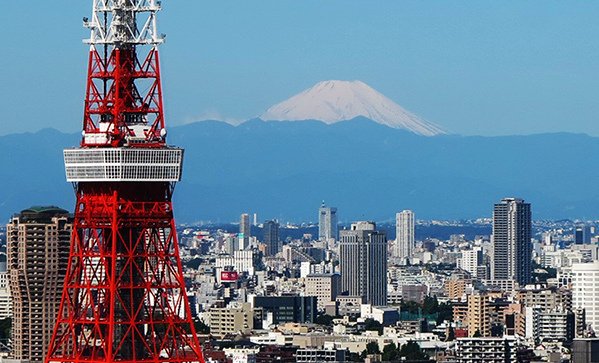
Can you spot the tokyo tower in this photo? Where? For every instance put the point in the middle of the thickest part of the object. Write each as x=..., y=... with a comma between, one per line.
x=124, y=297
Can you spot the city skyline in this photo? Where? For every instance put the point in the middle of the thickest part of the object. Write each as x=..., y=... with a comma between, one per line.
x=119, y=280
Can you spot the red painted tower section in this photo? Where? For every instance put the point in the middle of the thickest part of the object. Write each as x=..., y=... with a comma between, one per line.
x=124, y=298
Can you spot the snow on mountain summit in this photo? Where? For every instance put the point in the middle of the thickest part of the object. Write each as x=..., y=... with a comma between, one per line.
x=334, y=101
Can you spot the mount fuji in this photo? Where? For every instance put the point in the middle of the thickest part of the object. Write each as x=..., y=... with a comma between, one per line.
x=335, y=101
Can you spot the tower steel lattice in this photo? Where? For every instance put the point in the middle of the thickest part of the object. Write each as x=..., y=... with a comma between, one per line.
x=124, y=298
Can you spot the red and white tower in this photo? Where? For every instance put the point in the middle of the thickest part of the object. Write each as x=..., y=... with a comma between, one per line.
x=124, y=297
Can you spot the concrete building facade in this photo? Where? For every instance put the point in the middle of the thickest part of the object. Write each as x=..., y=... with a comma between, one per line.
x=327, y=223
x=235, y=319
x=585, y=291
x=486, y=350
x=404, y=235
x=271, y=238
x=324, y=286
x=512, y=246
x=38, y=243
x=477, y=318
x=5, y=297
x=245, y=226
x=363, y=262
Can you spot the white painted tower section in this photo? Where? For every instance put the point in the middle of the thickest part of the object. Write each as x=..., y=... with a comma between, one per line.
x=130, y=22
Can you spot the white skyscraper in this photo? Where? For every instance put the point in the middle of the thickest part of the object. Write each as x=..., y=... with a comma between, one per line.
x=470, y=260
x=585, y=290
x=327, y=222
x=404, y=239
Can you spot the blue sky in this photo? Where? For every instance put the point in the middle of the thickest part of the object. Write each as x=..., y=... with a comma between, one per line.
x=473, y=67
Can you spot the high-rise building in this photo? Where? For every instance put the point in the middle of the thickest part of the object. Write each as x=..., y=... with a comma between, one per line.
x=585, y=350
x=324, y=286
x=477, y=319
x=5, y=299
x=512, y=246
x=38, y=241
x=270, y=238
x=245, y=232
x=244, y=225
x=363, y=262
x=471, y=260
x=585, y=290
x=582, y=234
x=327, y=222
x=404, y=238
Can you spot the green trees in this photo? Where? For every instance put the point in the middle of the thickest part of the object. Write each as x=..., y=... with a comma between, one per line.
x=373, y=325
x=408, y=352
x=325, y=320
x=390, y=352
x=412, y=351
x=371, y=348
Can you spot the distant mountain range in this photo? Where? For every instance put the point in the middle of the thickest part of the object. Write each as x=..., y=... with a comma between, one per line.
x=369, y=171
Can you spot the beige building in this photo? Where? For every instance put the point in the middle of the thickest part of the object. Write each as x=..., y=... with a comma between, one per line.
x=324, y=286
x=477, y=319
x=455, y=289
x=546, y=298
x=38, y=241
x=237, y=318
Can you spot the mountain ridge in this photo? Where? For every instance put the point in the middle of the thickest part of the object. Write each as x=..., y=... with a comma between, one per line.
x=369, y=171
x=334, y=101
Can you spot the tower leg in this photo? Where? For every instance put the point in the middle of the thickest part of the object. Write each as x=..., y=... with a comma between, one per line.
x=124, y=297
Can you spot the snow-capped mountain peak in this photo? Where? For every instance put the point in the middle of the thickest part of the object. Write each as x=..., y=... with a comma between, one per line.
x=334, y=101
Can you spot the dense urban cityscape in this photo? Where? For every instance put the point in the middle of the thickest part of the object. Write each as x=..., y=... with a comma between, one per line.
x=114, y=279
x=524, y=292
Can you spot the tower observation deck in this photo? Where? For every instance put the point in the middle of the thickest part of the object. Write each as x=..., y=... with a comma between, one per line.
x=124, y=298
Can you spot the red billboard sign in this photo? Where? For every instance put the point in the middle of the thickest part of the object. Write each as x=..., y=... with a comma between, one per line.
x=228, y=276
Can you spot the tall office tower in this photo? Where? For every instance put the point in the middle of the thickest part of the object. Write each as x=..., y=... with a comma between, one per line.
x=512, y=246
x=404, y=238
x=270, y=238
x=327, y=222
x=582, y=234
x=363, y=262
x=585, y=291
x=124, y=296
x=244, y=225
x=245, y=232
x=37, y=242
